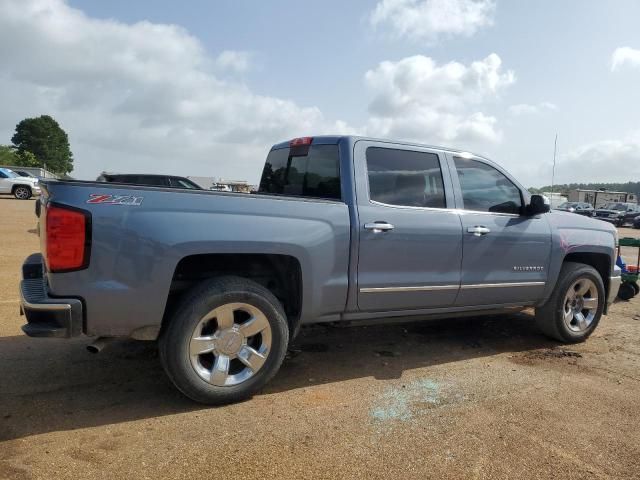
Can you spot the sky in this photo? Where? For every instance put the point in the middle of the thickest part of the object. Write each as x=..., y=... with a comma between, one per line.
x=204, y=88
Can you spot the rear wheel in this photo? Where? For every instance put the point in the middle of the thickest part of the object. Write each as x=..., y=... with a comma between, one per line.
x=22, y=193
x=574, y=309
x=226, y=340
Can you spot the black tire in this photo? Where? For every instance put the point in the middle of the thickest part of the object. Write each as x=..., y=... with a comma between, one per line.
x=22, y=192
x=549, y=317
x=635, y=287
x=626, y=292
x=174, y=343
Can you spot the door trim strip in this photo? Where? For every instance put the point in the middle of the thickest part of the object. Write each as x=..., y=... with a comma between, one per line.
x=426, y=288
x=431, y=288
x=498, y=285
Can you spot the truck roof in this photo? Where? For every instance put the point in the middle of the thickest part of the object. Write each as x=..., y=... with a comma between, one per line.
x=335, y=139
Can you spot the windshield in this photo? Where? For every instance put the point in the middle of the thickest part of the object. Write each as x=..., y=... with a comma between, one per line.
x=9, y=173
x=568, y=205
x=615, y=206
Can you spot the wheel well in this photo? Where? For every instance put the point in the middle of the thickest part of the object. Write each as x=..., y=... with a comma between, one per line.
x=600, y=261
x=281, y=274
x=13, y=189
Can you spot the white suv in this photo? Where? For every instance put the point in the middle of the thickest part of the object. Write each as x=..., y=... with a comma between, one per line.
x=22, y=188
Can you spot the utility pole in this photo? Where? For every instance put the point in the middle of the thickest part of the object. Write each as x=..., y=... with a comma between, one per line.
x=553, y=171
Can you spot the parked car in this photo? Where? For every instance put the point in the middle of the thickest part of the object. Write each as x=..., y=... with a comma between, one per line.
x=636, y=222
x=152, y=180
x=581, y=208
x=341, y=229
x=23, y=173
x=618, y=213
x=23, y=188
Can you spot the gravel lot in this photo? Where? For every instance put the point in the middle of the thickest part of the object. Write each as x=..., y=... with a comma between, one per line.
x=472, y=398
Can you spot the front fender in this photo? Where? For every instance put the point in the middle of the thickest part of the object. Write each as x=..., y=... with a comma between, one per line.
x=589, y=237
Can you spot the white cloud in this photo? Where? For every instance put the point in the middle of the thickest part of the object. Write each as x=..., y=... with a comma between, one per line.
x=231, y=60
x=625, y=56
x=603, y=161
x=139, y=97
x=528, y=109
x=427, y=20
x=415, y=98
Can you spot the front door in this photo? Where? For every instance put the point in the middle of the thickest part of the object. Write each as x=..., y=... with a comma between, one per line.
x=505, y=254
x=410, y=241
x=5, y=185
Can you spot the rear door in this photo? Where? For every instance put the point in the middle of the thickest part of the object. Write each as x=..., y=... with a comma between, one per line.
x=505, y=253
x=410, y=235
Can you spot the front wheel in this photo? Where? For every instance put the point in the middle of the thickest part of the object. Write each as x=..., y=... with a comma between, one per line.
x=574, y=309
x=226, y=340
x=22, y=193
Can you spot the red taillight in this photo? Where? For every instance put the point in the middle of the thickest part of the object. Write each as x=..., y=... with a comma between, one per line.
x=66, y=241
x=297, y=142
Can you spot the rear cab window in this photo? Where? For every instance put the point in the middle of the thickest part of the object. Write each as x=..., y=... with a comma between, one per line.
x=303, y=171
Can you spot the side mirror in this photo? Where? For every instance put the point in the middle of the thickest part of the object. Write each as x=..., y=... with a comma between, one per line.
x=537, y=205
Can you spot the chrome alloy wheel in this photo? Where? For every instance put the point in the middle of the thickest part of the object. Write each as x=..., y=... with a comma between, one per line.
x=230, y=344
x=22, y=193
x=580, y=305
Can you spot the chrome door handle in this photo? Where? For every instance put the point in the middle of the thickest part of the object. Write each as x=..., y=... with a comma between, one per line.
x=378, y=227
x=478, y=230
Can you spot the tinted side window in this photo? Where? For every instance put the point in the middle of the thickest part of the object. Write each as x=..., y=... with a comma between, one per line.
x=305, y=172
x=485, y=189
x=405, y=178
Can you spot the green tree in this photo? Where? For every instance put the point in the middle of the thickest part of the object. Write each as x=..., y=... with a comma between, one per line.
x=28, y=159
x=44, y=138
x=8, y=156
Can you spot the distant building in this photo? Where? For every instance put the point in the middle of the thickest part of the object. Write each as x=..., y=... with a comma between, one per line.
x=240, y=186
x=599, y=198
x=36, y=172
x=213, y=183
x=556, y=199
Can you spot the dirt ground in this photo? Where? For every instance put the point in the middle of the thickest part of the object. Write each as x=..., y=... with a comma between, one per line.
x=468, y=398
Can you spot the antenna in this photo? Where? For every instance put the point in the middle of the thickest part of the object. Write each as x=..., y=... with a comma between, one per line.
x=553, y=171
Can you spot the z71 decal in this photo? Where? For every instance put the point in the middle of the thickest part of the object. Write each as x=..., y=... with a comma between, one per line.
x=114, y=199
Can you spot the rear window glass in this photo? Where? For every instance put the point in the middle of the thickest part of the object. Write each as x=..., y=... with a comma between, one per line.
x=150, y=180
x=303, y=172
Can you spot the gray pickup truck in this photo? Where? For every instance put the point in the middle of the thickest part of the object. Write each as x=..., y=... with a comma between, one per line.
x=341, y=229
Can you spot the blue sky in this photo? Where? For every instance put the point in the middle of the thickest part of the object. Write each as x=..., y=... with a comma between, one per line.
x=203, y=88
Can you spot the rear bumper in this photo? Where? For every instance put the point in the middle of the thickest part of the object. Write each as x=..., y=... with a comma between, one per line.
x=46, y=316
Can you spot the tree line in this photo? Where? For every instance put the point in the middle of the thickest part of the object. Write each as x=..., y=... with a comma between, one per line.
x=565, y=188
x=39, y=142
